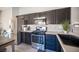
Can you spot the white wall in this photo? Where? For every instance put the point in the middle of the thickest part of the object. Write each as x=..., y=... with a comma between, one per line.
x=15, y=11
x=75, y=18
x=6, y=16
x=0, y=18
x=74, y=15
x=27, y=10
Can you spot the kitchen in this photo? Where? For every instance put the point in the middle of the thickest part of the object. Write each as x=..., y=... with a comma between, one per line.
x=48, y=30
x=51, y=23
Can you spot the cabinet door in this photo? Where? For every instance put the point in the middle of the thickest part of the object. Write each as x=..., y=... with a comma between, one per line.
x=50, y=42
x=28, y=38
x=50, y=17
x=26, y=19
x=25, y=37
x=32, y=16
x=68, y=14
x=43, y=14
x=60, y=15
x=19, y=38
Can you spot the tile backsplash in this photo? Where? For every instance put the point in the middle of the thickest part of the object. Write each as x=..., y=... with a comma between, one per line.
x=50, y=27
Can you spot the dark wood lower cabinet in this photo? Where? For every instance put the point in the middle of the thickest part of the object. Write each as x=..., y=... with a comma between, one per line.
x=19, y=38
x=24, y=37
x=28, y=38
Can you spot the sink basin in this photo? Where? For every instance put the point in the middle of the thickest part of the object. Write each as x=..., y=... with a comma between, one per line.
x=69, y=39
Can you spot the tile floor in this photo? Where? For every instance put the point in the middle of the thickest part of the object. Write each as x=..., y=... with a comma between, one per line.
x=22, y=48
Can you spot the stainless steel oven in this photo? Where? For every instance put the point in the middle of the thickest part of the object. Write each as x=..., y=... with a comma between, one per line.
x=38, y=41
x=38, y=38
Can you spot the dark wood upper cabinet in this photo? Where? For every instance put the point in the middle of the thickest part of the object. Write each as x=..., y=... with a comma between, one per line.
x=42, y=14
x=26, y=19
x=50, y=17
x=68, y=14
x=62, y=15
x=26, y=22
x=21, y=17
x=32, y=16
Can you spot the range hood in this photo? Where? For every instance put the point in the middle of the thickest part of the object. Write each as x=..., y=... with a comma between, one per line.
x=40, y=18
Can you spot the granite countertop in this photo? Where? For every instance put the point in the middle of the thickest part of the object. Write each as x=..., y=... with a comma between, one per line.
x=48, y=32
x=53, y=32
x=68, y=48
x=27, y=31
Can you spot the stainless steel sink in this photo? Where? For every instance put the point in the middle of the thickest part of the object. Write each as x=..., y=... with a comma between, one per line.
x=69, y=39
